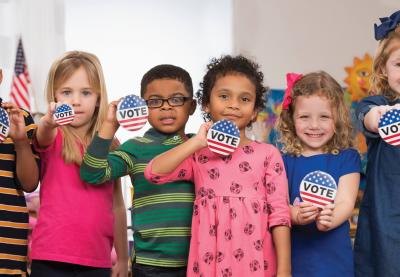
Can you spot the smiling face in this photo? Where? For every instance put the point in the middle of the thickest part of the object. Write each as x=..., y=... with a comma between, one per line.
x=314, y=123
x=77, y=92
x=169, y=119
x=233, y=98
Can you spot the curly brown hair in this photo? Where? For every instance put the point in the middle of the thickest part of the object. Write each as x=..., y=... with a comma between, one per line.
x=322, y=84
x=226, y=65
x=379, y=81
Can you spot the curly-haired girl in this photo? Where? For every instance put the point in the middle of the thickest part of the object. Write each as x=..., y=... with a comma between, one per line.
x=315, y=131
x=241, y=215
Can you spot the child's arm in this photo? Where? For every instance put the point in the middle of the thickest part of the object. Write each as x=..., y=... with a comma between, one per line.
x=167, y=162
x=371, y=119
x=120, y=232
x=279, y=217
x=27, y=169
x=334, y=215
x=281, y=238
x=47, y=128
x=98, y=164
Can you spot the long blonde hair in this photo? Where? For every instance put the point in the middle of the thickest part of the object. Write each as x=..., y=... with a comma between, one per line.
x=322, y=84
x=379, y=80
x=61, y=70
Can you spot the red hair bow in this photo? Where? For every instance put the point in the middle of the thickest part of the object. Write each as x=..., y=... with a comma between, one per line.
x=291, y=79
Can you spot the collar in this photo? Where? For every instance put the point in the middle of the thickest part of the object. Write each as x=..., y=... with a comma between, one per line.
x=156, y=135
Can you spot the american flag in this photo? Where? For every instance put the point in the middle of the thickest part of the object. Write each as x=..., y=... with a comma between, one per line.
x=318, y=188
x=132, y=113
x=217, y=139
x=389, y=128
x=21, y=84
x=64, y=114
x=4, y=124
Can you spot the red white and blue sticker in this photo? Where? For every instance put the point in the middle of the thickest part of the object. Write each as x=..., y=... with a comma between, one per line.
x=389, y=127
x=318, y=188
x=223, y=137
x=64, y=114
x=4, y=124
x=132, y=112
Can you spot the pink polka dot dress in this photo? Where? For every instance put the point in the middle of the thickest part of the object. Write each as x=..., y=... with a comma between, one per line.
x=239, y=198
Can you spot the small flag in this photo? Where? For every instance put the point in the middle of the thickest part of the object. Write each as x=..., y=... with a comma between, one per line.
x=389, y=128
x=318, y=188
x=132, y=112
x=64, y=114
x=223, y=137
x=4, y=124
x=21, y=83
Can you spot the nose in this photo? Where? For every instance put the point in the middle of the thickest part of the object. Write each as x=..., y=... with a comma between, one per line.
x=76, y=99
x=314, y=123
x=233, y=103
x=165, y=105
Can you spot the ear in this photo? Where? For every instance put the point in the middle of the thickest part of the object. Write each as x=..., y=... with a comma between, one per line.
x=1, y=75
x=193, y=106
x=254, y=116
x=206, y=108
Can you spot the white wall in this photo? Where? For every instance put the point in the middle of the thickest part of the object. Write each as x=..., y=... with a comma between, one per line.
x=302, y=36
x=130, y=37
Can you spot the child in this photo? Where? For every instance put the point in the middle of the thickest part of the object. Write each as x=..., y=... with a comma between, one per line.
x=315, y=131
x=19, y=172
x=77, y=222
x=161, y=216
x=377, y=243
x=241, y=218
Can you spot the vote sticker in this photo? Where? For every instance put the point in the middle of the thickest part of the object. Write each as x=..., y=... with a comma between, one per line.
x=389, y=127
x=64, y=114
x=4, y=124
x=132, y=112
x=223, y=137
x=318, y=188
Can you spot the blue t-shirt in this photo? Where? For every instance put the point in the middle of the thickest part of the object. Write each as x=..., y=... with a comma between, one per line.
x=316, y=253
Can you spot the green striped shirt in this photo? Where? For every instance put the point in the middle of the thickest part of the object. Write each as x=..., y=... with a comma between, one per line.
x=161, y=214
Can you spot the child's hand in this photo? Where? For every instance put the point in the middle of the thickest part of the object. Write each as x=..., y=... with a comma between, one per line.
x=201, y=136
x=371, y=120
x=17, y=123
x=111, y=116
x=325, y=218
x=120, y=269
x=48, y=119
x=305, y=214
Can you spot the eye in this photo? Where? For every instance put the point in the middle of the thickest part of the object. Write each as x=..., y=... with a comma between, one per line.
x=246, y=99
x=66, y=92
x=177, y=100
x=86, y=92
x=303, y=116
x=223, y=96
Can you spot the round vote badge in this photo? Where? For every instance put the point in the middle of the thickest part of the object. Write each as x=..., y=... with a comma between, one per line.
x=4, y=124
x=389, y=127
x=64, y=114
x=318, y=188
x=132, y=112
x=223, y=137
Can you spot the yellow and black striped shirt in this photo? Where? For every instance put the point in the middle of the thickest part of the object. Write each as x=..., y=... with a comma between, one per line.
x=13, y=212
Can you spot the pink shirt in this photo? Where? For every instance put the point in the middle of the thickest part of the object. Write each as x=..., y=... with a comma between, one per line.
x=75, y=223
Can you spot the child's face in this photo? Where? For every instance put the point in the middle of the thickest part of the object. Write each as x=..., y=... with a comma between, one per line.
x=78, y=92
x=392, y=70
x=314, y=123
x=233, y=98
x=169, y=119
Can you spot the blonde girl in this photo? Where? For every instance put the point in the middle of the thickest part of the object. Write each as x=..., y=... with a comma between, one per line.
x=315, y=132
x=78, y=222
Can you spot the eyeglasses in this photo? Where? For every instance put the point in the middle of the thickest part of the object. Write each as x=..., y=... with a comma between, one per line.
x=174, y=101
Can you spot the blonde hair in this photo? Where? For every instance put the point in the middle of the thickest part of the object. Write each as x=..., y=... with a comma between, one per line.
x=322, y=84
x=379, y=81
x=61, y=70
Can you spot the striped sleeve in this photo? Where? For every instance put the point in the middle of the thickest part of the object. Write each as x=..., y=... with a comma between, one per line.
x=99, y=165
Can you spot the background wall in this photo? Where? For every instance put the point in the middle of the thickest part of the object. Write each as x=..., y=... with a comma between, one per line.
x=302, y=36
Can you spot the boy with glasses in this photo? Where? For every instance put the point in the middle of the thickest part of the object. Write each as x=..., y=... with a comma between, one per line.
x=161, y=215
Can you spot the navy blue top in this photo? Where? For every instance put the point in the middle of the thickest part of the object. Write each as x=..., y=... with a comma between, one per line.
x=377, y=244
x=316, y=253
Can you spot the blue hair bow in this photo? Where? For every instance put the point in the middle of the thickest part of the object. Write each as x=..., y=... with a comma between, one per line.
x=388, y=24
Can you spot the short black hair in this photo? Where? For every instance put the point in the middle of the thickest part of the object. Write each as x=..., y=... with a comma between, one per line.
x=166, y=71
x=225, y=65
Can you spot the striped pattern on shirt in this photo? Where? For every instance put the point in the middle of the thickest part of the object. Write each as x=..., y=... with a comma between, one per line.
x=161, y=215
x=14, y=216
